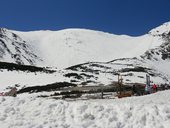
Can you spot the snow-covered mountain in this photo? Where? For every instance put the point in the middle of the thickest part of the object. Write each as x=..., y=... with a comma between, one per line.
x=85, y=60
x=154, y=61
x=14, y=49
x=69, y=47
x=87, y=57
x=162, y=29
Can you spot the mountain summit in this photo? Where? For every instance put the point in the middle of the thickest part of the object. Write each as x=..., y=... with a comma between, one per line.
x=69, y=47
x=85, y=57
x=162, y=29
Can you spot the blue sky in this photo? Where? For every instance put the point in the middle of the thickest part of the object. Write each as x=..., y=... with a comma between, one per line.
x=131, y=17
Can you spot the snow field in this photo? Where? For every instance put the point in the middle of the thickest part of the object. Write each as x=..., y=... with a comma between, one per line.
x=135, y=112
x=69, y=47
x=74, y=46
x=28, y=78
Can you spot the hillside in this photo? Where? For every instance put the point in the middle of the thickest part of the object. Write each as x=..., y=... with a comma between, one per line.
x=69, y=47
x=85, y=57
x=14, y=49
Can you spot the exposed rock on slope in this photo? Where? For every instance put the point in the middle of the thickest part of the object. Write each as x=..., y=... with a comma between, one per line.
x=15, y=49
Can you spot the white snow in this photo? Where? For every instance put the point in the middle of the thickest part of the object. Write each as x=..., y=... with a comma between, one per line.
x=13, y=48
x=164, y=28
x=161, y=66
x=150, y=111
x=69, y=47
x=10, y=78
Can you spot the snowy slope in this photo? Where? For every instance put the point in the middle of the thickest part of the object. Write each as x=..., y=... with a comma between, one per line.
x=69, y=47
x=88, y=58
x=162, y=29
x=154, y=61
x=151, y=111
x=99, y=55
x=14, y=49
x=25, y=79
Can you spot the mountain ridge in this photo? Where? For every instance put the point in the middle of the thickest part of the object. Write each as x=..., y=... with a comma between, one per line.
x=85, y=45
x=14, y=49
x=85, y=57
